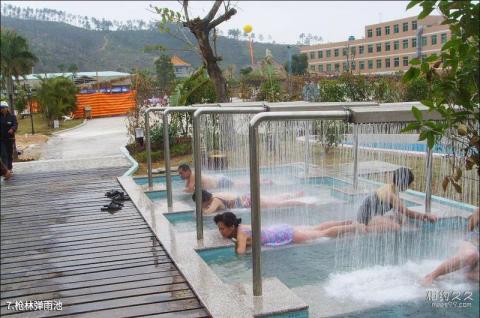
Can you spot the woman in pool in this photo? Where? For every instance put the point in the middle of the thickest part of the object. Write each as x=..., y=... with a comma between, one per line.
x=467, y=255
x=386, y=198
x=213, y=202
x=281, y=234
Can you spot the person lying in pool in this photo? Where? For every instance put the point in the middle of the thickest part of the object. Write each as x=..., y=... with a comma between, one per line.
x=467, y=255
x=208, y=182
x=230, y=226
x=213, y=202
x=386, y=198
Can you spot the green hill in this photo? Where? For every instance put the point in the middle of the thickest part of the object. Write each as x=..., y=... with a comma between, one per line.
x=57, y=43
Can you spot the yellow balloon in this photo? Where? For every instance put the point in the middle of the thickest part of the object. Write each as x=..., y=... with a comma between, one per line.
x=247, y=28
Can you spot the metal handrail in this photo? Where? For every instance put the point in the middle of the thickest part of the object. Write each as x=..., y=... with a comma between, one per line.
x=255, y=176
x=196, y=152
x=147, y=141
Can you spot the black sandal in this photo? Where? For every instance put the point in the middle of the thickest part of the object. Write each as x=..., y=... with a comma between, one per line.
x=114, y=202
x=112, y=207
x=121, y=197
x=112, y=193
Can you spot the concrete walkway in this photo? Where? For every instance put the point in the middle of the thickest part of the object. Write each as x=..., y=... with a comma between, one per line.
x=97, y=138
x=94, y=145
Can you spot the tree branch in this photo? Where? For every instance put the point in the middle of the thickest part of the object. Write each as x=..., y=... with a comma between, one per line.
x=211, y=15
x=222, y=18
x=185, y=10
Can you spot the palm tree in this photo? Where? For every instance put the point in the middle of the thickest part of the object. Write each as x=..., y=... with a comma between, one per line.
x=16, y=60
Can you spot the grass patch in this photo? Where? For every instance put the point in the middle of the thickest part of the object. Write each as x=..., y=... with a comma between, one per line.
x=40, y=125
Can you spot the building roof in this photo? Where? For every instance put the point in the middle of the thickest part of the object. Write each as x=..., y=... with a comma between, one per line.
x=78, y=74
x=178, y=61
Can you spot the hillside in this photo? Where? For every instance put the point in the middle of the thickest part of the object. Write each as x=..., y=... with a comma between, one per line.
x=57, y=43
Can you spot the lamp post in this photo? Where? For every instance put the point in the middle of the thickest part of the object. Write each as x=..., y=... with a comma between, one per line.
x=289, y=47
x=29, y=94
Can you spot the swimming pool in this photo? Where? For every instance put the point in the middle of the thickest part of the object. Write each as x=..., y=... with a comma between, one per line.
x=335, y=288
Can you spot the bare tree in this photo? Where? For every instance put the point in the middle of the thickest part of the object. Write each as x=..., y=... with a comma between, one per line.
x=201, y=28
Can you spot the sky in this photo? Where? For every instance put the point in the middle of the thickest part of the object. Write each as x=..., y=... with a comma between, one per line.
x=283, y=20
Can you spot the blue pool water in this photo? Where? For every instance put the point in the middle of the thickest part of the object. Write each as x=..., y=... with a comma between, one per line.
x=158, y=179
x=333, y=288
x=420, y=147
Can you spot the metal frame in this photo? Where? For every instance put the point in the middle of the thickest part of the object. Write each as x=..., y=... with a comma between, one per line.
x=196, y=153
x=255, y=176
x=395, y=113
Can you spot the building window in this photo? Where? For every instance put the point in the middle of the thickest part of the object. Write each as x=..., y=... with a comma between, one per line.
x=379, y=63
x=387, y=30
x=424, y=40
x=320, y=68
x=345, y=66
x=369, y=33
x=329, y=53
x=370, y=64
x=396, y=45
x=395, y=28
x=335, y=52
x=353, y=50
x=329, y=67
x=370, y=48
x=337, y=67
x=312, y=67
x=434, y=39
x=378, y=31
x=405, y=27
x=379, y=47
x=405, y=44
x=361, y=49
x=387, y=63
x=362, y=65
x=405, y=61
x=344, y=51
x=353, y=65
x=414, y=24
x=312, y=55
x=414, y=42
x=396, y=62
x=320, y=54
x=387, y=46
x=444, y=38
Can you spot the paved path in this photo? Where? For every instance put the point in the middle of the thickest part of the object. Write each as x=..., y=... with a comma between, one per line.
x=97, y=138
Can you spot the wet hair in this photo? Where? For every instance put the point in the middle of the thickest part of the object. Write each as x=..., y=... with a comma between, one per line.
x=206, y=196
x=402, y=178
x=184, y=167
x=227, y=218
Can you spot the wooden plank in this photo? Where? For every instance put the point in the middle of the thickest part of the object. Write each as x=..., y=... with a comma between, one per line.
x=58, y=245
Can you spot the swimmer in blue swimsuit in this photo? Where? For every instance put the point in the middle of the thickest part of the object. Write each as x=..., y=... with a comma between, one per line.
x=466, y=257
x=281, y=234
x=213, y=202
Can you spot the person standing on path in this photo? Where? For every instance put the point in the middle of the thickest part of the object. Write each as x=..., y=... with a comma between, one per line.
x=8, y=127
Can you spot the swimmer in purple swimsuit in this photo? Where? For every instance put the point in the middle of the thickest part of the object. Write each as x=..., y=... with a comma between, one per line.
x=213, y=202
x=467, y=256
x=281, y=234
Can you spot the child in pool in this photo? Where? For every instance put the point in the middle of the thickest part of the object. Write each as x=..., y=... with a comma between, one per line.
x=467, y=255
x=282, y=234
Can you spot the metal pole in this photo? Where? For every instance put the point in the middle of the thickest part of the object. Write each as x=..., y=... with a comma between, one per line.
x=147, y=142
x=255, y=176
x=355, y=156
x=166, y=146
x=31, y=110
x=307, y=150
x=196, y=153
x=428, y=180
x=166, y=158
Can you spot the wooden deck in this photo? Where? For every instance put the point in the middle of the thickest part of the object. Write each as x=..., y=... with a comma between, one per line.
x=57, y=246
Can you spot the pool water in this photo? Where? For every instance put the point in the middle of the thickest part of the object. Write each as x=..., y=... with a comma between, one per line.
x=333, y=287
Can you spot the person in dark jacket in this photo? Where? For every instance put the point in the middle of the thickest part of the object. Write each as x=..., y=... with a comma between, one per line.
x=8, y=127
